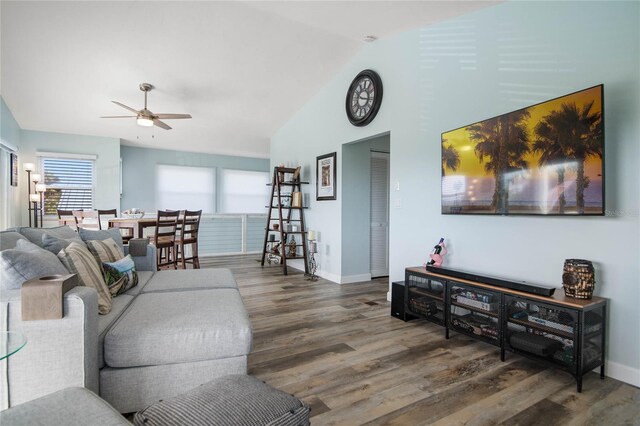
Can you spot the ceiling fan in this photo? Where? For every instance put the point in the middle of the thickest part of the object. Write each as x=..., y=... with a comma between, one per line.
x=146, y=118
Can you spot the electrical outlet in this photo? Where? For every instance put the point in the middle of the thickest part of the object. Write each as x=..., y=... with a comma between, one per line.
x=397, y=204
x=398, y=185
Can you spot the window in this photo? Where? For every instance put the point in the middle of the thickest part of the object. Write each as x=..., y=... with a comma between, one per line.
x=185, y=188
x=244, y=191
x=70, y=183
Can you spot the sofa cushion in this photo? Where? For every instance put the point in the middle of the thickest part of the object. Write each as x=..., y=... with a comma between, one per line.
x=161, y=328
x=78, y=260
x=191, y=279
x=69, y=407
x=25, y=262
x=118, y=305
x=89, y=235
x=55, y=244
x=120, y=275
x=240, y=400
x=35, y=234
x=8, y=239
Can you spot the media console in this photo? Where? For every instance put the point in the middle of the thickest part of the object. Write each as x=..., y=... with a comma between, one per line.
x=560, y=331
x=499, y=282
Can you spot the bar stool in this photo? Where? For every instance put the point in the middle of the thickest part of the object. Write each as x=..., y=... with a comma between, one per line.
x=189, y=238
x=165, y=238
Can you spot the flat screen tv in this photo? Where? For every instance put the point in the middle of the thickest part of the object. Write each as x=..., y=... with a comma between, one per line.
x=546, y=159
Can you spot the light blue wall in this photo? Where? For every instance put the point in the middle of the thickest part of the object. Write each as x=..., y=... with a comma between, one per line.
x=10, y=134
x=107, y=165
x=9, y=129
x=356, y=206
x=486, y=63
x=139, y=171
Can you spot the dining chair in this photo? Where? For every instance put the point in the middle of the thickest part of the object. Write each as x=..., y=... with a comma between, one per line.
x=105, y=215
x=190, y=223
x=67, y=218
x=87, y=219
x=165, y=238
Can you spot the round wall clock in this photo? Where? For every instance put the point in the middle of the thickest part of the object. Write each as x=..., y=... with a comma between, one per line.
x=364, y=98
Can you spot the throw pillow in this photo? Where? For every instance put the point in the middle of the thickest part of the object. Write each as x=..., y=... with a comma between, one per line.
x=25, y=262
x=35, y=234
x=121, y=275
x=78, y=260
x=105, y=251
x=89, y=235
x=9, y=239
x=54, y=244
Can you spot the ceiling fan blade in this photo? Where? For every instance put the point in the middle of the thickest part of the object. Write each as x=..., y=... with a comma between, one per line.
x=119, y=116
x=171, y=116
x=126, y=107
x=161, y=124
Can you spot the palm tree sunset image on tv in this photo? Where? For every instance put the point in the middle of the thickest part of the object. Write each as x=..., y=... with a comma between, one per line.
x=545, y=159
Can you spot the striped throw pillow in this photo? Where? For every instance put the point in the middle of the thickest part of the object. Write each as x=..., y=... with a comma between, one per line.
x=78, y=260
x=105, y=251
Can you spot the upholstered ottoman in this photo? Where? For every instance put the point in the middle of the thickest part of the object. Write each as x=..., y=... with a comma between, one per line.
x=166, y=343
x=68, y=407
x=237, y=400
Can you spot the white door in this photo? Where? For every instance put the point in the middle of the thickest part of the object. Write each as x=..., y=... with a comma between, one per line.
x=379, y=214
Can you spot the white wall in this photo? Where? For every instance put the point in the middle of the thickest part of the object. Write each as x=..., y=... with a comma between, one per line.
x=486, y=63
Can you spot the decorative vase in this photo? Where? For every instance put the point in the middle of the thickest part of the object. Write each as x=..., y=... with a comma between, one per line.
x=578, y=278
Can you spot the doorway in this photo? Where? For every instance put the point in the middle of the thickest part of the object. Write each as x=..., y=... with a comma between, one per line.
x=379, y=207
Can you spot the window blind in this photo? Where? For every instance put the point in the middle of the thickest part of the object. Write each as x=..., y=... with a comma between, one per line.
x=185, y=188
x=244, y=191
x=70, y=184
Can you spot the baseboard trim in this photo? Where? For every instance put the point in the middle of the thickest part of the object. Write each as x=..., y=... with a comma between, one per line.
x=299, y=265
x=621, y=372
x=348, y=279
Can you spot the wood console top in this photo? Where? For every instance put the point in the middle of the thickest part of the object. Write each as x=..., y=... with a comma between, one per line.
x=558, y=298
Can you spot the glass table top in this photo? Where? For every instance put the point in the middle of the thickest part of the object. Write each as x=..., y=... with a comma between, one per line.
x=11, y=342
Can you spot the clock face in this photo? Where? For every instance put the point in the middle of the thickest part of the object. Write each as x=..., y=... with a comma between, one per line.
x=363, y=98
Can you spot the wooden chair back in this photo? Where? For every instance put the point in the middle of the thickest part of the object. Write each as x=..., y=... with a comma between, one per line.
x=165, y=238
x=190, y=226
x=105, y=215
x=67, y=218
x=87, y=219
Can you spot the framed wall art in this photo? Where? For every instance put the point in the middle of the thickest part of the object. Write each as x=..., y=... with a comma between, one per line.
x=326, y=177
x=13, y=162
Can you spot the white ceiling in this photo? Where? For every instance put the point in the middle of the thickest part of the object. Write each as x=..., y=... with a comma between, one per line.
x=241, y=69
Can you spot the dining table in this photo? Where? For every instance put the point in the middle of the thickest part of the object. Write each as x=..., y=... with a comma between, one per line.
x=137, y=225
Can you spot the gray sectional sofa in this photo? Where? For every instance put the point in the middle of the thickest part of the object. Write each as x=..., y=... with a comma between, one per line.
x=172, y=332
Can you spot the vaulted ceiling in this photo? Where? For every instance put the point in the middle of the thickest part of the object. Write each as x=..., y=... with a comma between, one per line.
x=241, y=69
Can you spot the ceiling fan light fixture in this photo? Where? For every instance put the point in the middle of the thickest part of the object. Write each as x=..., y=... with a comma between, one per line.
x=144, y=121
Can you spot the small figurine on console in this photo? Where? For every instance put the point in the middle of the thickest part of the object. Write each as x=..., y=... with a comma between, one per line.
x=438, y=253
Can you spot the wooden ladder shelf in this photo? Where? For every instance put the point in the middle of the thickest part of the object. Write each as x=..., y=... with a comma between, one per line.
x=283, y=215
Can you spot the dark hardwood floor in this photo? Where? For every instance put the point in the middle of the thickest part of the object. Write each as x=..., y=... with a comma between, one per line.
x=337, y=348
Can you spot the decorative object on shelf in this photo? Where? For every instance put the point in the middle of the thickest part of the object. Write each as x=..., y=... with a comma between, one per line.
x=326, y=177
x=13, y=170
x=296, y=174
x=276, y=226
x=439, y=251
x=133, y=214
x=36, y=204
x=313, y=249
x=578, y=278
x=292, y=247
x=296, y=199
x=364, y=98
